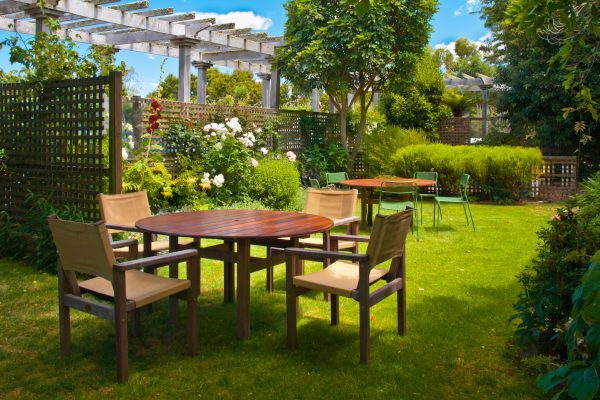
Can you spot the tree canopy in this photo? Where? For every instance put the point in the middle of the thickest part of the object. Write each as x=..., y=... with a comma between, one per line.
x=332, y=46
x=467, y=60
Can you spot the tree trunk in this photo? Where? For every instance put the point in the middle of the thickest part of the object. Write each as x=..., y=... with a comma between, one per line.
x=343, y=110
x=359, y=130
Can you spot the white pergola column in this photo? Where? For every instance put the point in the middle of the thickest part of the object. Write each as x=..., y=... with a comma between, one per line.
x=275, y=85
x=375, y=99
x=266, y=89
x=185, y=62
x=202, y=66
x=316, y=93
x=331, y=105
x=41, y=15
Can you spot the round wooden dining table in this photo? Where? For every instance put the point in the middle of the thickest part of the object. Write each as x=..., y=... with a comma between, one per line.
x=366, y=187
x=239, y=229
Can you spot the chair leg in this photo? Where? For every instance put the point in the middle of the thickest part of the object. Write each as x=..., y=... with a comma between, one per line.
x=192, y=328
x=122, y=345
x=269, y=278
x=401, y=300
x=465, y=210
x=365, y=331
x=335, y=309
x=472, y=221
x=64, y=318
x=292, y=331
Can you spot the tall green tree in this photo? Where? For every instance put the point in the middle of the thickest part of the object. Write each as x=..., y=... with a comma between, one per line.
x=467, y=60
x=533, y=96
x=333, y=47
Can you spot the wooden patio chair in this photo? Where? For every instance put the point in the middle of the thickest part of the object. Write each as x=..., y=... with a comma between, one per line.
x=86, y=248
x=353, y=274
x=338, y=205
x=121, y=211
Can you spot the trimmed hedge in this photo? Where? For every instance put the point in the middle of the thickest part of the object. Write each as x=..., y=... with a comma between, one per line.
x=276, y=184
x=501, y=171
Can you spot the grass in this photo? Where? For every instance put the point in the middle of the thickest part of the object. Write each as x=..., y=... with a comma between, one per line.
x=461, y=286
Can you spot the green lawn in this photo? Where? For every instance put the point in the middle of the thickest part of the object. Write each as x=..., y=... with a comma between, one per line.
x=461, y=286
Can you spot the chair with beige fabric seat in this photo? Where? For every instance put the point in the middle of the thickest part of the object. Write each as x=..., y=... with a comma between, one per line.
x=86, y=248
x=121, y=211
x=338, y=205
x=353, y=274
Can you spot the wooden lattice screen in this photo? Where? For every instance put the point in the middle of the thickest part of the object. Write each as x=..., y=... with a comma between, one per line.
x=455, y=131
x=294, y=126
x=53, y=135
x=558, y=179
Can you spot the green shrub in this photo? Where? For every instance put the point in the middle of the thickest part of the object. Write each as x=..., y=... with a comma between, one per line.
x=380, y=144
x=317, y=159
x=276, y=184
x=32, y=240
x=501, y=172
x=544, y=305
x=579, y=376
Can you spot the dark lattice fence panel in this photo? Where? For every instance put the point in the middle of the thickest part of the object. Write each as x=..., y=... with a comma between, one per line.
x=455, y=131
x=558, y=179
x=53, y=135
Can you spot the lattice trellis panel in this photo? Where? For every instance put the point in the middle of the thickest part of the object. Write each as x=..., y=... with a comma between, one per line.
x=53, y=135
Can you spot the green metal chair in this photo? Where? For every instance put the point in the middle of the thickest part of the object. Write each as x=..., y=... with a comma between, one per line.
x=334, y=178
x=314, y=183
x=397, y=197
x=462, y=199
x=432, y=176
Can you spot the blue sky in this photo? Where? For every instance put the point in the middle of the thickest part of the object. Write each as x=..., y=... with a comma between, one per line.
x=453, y=20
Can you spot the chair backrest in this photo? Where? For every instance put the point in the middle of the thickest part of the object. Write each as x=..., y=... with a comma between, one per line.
x=394, y=192
x=331, y=203
x=83, y=247
x=335, y=177
x=124, y=209
x=314, y=183
x=464, y=186
x=388, y=236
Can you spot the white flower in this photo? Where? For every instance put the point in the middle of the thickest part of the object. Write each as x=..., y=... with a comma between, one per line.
x=218, y=180
x=127, y=127
x=218, y=146
x=206, y=128
x=264, y=151
x=291, y=156
x=253, y=162
x=206, y=177
x=124, y=153
x=213, y=134
x=131, y=144
x=234, y=124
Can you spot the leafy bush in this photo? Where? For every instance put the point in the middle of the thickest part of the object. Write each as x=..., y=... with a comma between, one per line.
x=276, y=183
x=317, y=160
x=380, y=144
x=32, y=240
x=501, y=172
x=544, y=304
x=579, y=377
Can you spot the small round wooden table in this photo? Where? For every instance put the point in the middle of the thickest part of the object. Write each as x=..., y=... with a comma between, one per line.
x=366, y=187
x=240, y=227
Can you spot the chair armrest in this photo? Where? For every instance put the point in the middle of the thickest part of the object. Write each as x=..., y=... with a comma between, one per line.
x=350, y=238
x=317, y=255
x=345, y=221
x=156, y=260
x=128, y=228
x=117, y=244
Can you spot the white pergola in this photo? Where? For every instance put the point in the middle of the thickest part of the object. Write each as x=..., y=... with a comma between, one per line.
x=132, y=26
x=481, y=83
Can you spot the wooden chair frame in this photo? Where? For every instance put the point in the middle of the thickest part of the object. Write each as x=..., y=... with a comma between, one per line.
x=70, y=296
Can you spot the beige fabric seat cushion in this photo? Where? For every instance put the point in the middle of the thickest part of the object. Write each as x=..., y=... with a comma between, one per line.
x=157, y=245
x=339, y=278
x=315, y=242
x=142, y=288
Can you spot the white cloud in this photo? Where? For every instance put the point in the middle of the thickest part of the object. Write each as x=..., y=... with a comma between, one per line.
x=242, y=19
x=151, y=57
x=473, y=5
x=458, y=11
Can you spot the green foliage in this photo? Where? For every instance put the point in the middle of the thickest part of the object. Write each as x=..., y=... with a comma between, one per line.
x=468, y=59
x=276, y=184
x=380, y=144
x=317, y=159
x=579, y=377
x=544, y=305
x=48, y=57
x=333, y=46
x=152, y=175
x=414, y=101
x=460, y=103
x=502, y=172
x=32, y=240
x=2, y=160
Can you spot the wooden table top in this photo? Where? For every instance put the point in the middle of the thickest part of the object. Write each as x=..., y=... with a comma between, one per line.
x=376, y=182
x=235, y=224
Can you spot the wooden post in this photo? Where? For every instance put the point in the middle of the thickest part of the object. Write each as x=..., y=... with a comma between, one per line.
x=137, y=119
x=315, y=99
x=185, y=61
x=275, y=83
x=115, y=120
x=202, y=66
x=266, y=88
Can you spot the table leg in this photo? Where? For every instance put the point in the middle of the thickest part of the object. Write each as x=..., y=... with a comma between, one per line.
x=197, y=245
x=370, y=207
x=173, y=273
x=243, y=289
x=148, y=253
x=229, y=276
x=298, y=269
x=363, y=206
